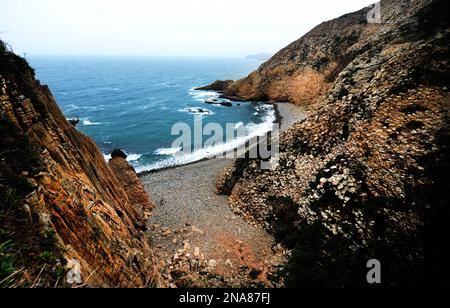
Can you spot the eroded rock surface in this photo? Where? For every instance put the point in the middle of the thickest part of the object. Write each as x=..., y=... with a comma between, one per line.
x=60, y=202
x=137, y=195
x=366, y=175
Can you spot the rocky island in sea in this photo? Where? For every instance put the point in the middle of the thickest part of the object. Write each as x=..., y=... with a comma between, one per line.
x=361, y=178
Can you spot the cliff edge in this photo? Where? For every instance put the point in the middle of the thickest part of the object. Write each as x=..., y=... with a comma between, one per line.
x=65, y=217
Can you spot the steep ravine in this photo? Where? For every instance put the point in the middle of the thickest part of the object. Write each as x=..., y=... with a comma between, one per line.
x=62, y=208
x=365, y=176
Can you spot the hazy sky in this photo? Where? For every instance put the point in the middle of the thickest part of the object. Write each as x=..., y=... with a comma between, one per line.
x=162, y=27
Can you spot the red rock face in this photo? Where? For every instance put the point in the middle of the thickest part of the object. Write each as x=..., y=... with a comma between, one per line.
x=75, y=194
x=133, y=186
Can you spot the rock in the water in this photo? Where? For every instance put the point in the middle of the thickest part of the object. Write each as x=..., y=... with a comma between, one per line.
x=118, y=153
x=226, y=104
x=74, y=121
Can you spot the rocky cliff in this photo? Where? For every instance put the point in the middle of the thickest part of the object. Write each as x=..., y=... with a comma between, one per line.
x=65, y=217
x=305, y=70
x=366, y=175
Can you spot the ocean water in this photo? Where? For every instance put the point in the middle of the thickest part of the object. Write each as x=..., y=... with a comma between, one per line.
x=132, y=103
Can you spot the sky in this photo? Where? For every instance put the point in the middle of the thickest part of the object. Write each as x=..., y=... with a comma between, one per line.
x=211, y=28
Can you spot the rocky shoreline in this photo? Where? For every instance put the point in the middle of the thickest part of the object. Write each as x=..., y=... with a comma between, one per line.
x=199, y=239
x=286, y=114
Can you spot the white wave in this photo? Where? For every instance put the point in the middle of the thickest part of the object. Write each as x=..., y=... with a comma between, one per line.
x=73, y=106
x=197, y=111
x=133, y=157
x=237, y=125
x=87, y=122
x=88, y=108
x=130, y=157
x=108, y=89
x=179, y=159
x=168, y=151
x=201, y=95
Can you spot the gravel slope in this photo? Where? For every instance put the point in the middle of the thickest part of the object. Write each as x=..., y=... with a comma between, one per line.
x=191, y=219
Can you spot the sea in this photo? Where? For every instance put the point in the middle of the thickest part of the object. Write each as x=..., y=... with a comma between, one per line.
x=132, y=103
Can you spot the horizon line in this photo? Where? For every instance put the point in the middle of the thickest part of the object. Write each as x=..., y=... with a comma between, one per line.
x=30, y=55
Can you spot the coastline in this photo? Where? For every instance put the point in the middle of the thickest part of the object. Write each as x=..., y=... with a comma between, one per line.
x=187, y=205
x=286, y=114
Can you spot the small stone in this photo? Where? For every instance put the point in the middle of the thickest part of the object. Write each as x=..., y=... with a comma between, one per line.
x=335, y=180
x=166, y=233
x=197, y=230
x=196, y=252
x=212, y=264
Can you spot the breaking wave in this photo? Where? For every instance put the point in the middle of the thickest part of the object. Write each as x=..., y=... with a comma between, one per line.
x=178, y=158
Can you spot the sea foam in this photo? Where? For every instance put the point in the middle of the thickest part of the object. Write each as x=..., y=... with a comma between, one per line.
x=167, y=151
x=178, y=158
x=130, y=157
x=87, y=122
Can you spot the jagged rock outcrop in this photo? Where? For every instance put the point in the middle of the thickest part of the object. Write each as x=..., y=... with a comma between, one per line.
x=62, y=208
x=366, y=175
